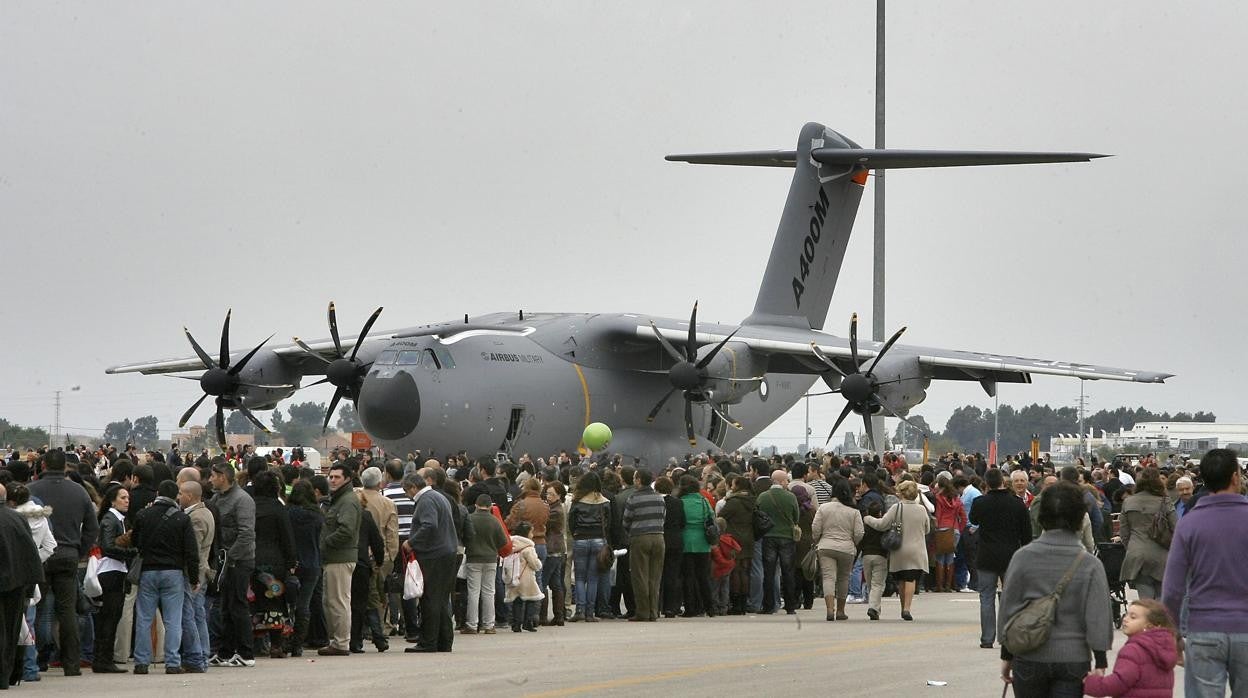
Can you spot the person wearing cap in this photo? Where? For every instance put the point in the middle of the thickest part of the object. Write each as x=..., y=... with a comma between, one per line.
x=485, y=537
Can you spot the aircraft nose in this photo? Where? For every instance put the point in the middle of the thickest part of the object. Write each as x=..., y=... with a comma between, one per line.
x=389, y=405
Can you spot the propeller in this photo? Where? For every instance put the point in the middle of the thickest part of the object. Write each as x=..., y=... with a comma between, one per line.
x=345, y=372
x=221, y=381
x=690, y=376
x=861, y=388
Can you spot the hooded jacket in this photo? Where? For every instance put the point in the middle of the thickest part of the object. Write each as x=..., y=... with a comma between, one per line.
x=19, y=558
x=1144, y=668
x=519, y=571
x=37, y=518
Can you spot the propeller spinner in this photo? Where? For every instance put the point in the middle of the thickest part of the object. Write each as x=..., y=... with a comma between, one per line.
x=861, y=389
x=344, y=372
x=221, y=380
x=690, y=376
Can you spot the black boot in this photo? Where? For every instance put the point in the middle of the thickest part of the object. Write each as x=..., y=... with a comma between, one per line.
x=517, y=615
x=294, y=643
x=543, y=610
x=530, y=616
x=559, y=609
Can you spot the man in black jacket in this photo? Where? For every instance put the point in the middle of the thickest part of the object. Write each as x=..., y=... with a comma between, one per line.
x=1004, y=527
x=166, y=543
x=76, y=529
x=372, y=550
x=20, y=571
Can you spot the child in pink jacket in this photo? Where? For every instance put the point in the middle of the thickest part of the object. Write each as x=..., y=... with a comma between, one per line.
x=1145, y=665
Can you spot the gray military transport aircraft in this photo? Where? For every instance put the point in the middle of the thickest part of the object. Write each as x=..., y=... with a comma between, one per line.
x=512, y=382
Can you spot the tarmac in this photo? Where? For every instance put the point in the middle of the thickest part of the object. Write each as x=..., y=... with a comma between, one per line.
x=937, y=654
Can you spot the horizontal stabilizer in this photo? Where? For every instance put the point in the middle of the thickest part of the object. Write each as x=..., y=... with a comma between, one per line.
x=885, y=159
x=882, y=159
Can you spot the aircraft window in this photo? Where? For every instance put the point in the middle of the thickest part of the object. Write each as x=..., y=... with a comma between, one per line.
x=447, y=360
x=430, y=361
x=386, y=357
x=409, y=357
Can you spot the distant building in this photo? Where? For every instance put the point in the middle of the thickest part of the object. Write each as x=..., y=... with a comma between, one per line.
x=1181, y=437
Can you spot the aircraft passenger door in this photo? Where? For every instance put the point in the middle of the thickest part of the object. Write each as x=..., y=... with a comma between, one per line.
x=514, y=426
x=719, y=428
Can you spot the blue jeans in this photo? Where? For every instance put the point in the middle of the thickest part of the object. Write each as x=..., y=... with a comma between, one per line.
x=988, y=606
x=755, y=600
x=1213, y=659
x=855, y=579
x=552, y=573
x=585, y=567
x=195, y=643
x=30, y=670
x=165, y=588
x=947, y=558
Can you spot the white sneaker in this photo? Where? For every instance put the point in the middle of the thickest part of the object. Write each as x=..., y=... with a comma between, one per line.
x=237, y=662
x=214, y=660
x=855, y=599
x=967, y=590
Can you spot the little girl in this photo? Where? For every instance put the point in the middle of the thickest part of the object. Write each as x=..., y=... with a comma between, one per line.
x=520, y=570
x=1145, y=665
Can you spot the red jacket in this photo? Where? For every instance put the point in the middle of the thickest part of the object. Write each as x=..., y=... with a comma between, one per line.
x=724, y=555
x=950, y=513
x=1144, y=668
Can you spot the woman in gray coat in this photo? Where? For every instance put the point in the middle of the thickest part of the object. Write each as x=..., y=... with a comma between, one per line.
x=907, y=563
x=1145, y=560
x=837, y=530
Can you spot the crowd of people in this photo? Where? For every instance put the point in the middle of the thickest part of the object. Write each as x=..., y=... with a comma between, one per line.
x=203, y=562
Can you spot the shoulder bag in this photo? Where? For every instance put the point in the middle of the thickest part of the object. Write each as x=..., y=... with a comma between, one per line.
x=1028, y=629
x=709, y=527
x=1160, y=529
x=134, y=572
x=892, y=538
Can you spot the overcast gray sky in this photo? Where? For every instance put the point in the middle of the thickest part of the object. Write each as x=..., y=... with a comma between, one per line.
x=161, y=162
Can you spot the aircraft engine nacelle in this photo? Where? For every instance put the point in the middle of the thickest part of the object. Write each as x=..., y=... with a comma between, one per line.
x=903, y=382
x=734, y=373
x=266, y=380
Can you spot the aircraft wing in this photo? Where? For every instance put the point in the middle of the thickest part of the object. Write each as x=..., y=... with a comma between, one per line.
x=790, y=351
x=290, y=353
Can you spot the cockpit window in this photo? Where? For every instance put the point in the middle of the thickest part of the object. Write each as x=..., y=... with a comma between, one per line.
x=447, y=360
x=430, y=361
x=386, y=357
x=409, y=357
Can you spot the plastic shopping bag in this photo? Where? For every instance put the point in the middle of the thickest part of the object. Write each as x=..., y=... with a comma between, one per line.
x=91, y=587
x=413, y=578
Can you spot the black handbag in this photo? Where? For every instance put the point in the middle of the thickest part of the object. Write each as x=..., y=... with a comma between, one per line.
x=892, y=538
x=762, y=523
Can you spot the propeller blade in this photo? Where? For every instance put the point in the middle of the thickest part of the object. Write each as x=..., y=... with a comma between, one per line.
x=323, y=380
x=185, y=378
x=826, y=359
x=311, y=353
x=199, y=351
x=234, y=371
x=844, y=413
x=225, y=341
x=693, y=440
x=887, y=345
x=893, y=412
x=866, y=422
x=367, y=326
x=658, y=406
x=706, y=360
x=220, y=425
x=186, y=416
x=667, y=346
x=691, y=346
x=731, y=422
x=853, y=339
x=259, y=425
x=333, y=329
x=330, y=412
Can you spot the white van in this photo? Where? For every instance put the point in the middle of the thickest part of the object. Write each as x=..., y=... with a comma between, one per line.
x=311, y=455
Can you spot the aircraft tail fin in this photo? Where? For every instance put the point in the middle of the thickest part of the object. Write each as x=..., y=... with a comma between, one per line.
x=830, y=174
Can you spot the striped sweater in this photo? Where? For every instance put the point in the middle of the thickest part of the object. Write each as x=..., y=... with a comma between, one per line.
x=644, y=513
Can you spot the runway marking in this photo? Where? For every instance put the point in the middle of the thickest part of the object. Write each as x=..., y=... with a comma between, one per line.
x=753, y=661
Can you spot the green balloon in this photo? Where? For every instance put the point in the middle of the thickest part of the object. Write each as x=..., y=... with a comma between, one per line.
x=596, y=436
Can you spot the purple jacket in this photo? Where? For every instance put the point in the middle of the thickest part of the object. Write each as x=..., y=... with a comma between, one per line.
x=1210, y=544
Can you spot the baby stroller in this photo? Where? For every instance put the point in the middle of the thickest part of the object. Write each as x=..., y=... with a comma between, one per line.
x=1111, y=556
